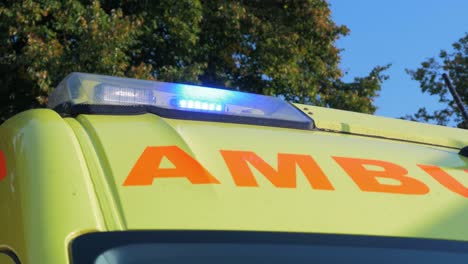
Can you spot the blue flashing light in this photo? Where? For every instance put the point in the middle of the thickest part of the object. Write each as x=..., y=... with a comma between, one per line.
x=198, y=105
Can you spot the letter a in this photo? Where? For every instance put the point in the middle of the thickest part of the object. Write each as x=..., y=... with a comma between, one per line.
x=148, y=167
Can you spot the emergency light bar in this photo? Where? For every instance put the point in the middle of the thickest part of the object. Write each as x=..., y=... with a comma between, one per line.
x=81, y=93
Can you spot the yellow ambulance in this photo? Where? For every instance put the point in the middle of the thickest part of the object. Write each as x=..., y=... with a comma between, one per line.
x=129, y=171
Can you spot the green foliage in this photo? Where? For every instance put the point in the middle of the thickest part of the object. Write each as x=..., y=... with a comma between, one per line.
x=276, y=47
x=429, y=75
x=358, y=95
x=42, y=41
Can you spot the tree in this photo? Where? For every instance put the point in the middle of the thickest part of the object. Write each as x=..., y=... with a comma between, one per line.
x=429, y=75
x=276, y=47
x=41, y=42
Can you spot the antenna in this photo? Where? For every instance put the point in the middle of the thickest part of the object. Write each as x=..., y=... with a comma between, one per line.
x=456, y=97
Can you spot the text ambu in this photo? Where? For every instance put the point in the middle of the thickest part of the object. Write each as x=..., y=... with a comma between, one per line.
x=240, y=164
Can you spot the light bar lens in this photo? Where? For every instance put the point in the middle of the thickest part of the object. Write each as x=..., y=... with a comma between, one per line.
x=96, y=92
x=123, y=95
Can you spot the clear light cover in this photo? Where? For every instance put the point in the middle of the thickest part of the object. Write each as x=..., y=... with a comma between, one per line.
x=123, y=95
x=79, y=89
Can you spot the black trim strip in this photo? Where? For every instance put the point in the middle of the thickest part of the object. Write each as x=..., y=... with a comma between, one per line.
x=11, y=254
x=74, y=110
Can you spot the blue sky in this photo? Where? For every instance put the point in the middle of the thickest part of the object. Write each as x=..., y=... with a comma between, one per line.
x=403, y=33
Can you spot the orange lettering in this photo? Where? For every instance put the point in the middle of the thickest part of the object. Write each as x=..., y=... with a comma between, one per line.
x=445, y=179
x=148, y=167
x=284, y=177
x=367, y=180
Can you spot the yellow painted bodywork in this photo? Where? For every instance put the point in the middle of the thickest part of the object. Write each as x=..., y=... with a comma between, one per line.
x=390, y=128
x=47, y=196
x=65, y=177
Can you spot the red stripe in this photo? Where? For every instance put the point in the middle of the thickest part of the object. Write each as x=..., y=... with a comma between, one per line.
x=3, y=171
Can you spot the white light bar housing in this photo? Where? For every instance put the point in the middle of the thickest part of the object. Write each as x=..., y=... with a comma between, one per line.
x=81, y=93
